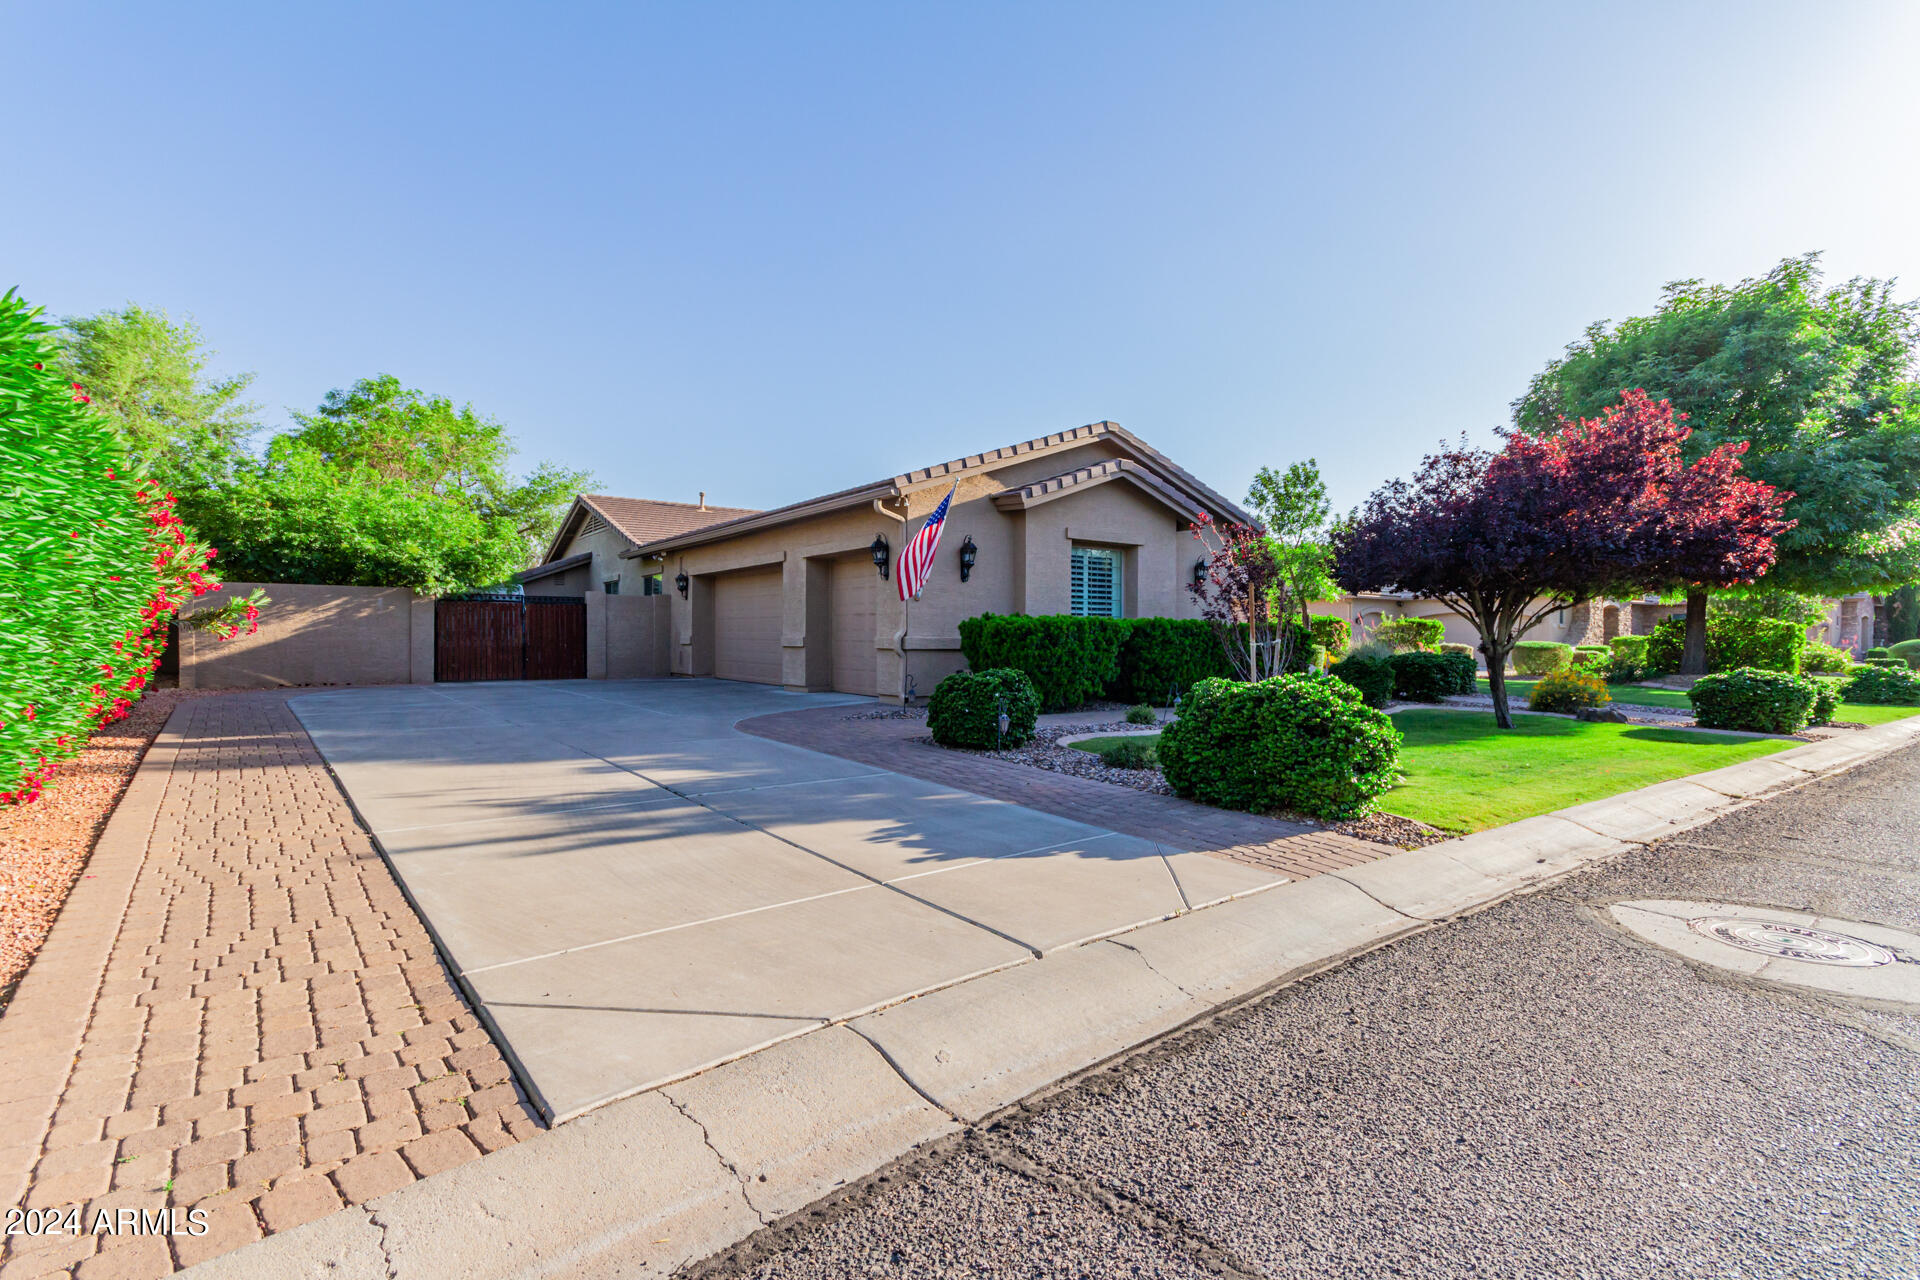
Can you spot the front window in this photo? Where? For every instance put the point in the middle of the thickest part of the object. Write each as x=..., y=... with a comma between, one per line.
x=611, y=586
x=1096, y=583
x=650, y=585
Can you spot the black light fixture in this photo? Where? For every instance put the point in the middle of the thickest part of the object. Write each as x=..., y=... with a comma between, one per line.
x=680, y=580
x=968, y=554
x=880, y=549
x=1199, y=571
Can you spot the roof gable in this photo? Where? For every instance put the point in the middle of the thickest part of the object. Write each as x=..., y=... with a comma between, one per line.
x=638, y=520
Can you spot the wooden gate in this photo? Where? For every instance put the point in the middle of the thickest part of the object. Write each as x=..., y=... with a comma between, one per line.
x=503, y=637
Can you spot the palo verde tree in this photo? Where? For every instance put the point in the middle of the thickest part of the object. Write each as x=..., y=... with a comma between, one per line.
x=1818, y=383
x=1600, y=506
x=1293, y=506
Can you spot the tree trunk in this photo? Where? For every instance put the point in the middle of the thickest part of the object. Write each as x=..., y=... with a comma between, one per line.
x=1497, y=682
x=1693, y=658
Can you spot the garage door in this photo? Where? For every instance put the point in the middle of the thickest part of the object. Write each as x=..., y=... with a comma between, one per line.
x=746, y=626
x=855, y=586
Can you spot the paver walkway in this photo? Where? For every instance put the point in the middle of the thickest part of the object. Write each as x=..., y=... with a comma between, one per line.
x=273, y=1035
x=1291, y=848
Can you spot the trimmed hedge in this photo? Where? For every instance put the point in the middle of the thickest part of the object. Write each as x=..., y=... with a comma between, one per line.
x=1069, y=660
x=1409, y=634
x=1539, y=657
x=1884, y=662
x=1755, y=699
x=1372, y=675
x=1629, y=659
x=1167, y=653
x=1568, y=690
x=1908, y=651
x=1885, y=686
x=1878, y=651
x=1473, y=655
x=1767, y=644
x=1826, y=701
x=1304, y=743
x=965, y=709
x=1334, y=634
x=1419, y=676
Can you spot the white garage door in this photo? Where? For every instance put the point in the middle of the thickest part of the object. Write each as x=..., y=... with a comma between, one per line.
x=855, y=586
x=746, y=626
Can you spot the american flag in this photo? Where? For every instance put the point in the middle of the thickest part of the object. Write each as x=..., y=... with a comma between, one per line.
x=916, y=562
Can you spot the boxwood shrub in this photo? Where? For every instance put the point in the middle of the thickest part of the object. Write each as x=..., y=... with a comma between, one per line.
x=965, y=709
x=1371, y=674
x=1419, y=676
x=1754, y=699
x=1884, y=662
x=1886, y=686
x=1568, y=690
x=1538, y=657
x=1769, y=644
x=1878, y=651
x=1306, y=743
x=1908, y=651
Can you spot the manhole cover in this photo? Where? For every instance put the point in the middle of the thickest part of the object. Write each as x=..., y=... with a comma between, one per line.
x=1792, y=941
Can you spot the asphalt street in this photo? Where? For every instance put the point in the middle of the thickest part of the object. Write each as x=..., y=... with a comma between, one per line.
x=1529, y=1091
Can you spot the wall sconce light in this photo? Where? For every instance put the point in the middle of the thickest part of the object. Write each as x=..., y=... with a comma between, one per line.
x=1199, y=571
x=968, y=554
x=680, y=580
x=880, y=550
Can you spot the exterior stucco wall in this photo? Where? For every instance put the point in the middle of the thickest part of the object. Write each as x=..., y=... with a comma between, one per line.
x=605, y=544
x=636, y=637
x=314, y=635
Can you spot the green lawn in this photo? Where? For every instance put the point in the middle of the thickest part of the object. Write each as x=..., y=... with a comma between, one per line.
x=1465, y=774
x=1097, y=745
x=1634, y=695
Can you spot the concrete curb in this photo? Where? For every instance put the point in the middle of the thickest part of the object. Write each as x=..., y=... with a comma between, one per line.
x=651, y=1183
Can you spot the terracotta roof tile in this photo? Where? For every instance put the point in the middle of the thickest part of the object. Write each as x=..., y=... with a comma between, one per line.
x=646, y=519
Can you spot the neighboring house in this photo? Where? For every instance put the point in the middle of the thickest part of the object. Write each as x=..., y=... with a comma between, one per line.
x=1089, y=521
x=584, y=555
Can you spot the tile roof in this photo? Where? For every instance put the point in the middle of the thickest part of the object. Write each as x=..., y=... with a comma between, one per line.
x=645, y=519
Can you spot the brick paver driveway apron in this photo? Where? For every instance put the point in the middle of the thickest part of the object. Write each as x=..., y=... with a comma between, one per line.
x=632, y=890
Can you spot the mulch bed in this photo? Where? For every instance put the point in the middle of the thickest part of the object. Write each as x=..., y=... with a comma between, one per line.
x=44, y=845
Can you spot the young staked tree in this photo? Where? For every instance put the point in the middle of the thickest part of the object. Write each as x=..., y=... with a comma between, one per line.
x=147, y=374
x=1600, y=506
x=1244, y=596
x=1293, y=505
x=1819, y=384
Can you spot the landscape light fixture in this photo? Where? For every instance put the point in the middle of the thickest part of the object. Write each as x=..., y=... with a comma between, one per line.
x=880, y=550
x=680, y=580
x=968, y=554
x=1199, y=571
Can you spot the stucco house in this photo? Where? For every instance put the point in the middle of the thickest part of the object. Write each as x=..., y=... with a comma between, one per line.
x=1091, y=520
x=585, y=552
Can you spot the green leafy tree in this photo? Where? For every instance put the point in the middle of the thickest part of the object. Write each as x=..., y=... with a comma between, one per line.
x=384, y=486
x=1820, y=383
x=147, y=375
x=1293, y=507
x=1783, y=606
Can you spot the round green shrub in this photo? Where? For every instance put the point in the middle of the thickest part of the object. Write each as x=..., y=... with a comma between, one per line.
x=1131, y=753
x=1419, y=676
x=1908, y=651
x=1539, y=657
x=1305, y=743
x=1141, y=713
x=1885, y=686
x=1569, y=690
x=965, y=709
x=1824, y=659
x=1371, y=674
x=1755, y=700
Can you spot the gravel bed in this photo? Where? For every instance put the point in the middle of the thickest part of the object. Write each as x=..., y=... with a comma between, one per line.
x=44, y=845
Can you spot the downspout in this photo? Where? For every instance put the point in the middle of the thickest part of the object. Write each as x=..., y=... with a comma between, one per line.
x=900, y=636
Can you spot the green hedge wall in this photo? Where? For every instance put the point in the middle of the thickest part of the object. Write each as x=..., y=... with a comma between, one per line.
x=1167, y=653
x=1370, y=674
x=1538, y=657
x=1073, y=660
x=1767, y=644
x=1419, y=676
x=1895, y=686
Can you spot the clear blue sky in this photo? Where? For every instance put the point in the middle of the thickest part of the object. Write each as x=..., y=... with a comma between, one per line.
x=772, y=250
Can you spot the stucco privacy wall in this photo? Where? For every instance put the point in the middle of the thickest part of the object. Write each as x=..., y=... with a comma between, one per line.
x=314, y=635
x=1022, y=567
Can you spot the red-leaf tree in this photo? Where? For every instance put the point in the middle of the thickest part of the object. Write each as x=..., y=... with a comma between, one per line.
x=1602, y=506
x=1243, y=594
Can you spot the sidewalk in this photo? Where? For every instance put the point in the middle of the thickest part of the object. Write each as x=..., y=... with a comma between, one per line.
x=236, y=1011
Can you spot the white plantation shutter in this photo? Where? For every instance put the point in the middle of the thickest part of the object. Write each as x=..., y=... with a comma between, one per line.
x=1095, y=583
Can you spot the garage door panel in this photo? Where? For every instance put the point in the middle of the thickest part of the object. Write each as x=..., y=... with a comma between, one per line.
x=747, y=626
x=855, y=591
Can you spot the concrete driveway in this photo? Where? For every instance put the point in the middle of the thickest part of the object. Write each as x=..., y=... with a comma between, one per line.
x=633, y=891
